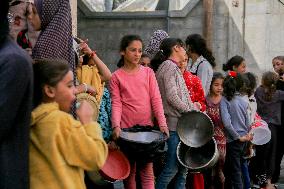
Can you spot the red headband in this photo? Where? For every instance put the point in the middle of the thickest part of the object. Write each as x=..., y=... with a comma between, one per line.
x=232, y=74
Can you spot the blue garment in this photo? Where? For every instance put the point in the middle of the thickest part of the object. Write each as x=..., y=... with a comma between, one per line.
x=235, y=117
x=172, y=167
x=104, y=118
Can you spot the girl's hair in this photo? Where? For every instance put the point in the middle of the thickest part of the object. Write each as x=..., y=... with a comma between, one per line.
x=281, y=58
x=197, y=44
x=165, y=51
x=234, y=61
x=125, y=42
x=216, y=75
x=249, y=83
x=232, y=85
x=268, y=82
x=47, y=72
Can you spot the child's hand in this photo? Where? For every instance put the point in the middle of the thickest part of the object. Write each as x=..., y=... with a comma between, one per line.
x=197, y=106
x=246, y=138
x=115, y=133
x=112, y=146
x=165, y=130
x=85, y=112
x=84, y=88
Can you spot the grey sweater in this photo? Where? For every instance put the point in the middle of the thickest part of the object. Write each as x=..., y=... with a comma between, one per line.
x=269, y=111
x=174, y=93
x=235, y=117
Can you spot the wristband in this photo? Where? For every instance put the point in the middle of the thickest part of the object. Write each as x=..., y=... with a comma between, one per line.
x=93, y=54
x=86, y=87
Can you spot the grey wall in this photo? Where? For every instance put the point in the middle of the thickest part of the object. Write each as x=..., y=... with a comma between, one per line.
x=236, y=30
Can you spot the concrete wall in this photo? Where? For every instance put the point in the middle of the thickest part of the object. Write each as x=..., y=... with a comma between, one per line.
x=253, y=29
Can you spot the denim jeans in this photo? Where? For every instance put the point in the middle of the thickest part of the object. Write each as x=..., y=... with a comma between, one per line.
x=172, y=167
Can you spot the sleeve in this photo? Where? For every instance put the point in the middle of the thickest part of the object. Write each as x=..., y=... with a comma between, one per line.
x=116, y=104
x=156, y=100
x=171, y=91
x=204, y=73
x=198, y=93
x=84, y=146
x=226, y=118
x=15, y=78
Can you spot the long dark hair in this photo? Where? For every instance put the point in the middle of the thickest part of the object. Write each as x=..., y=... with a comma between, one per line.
x=249, y=83
x=197, y=44
x=235, y=61
x=47, y=72
x=4, y=24
x=268, y=82
x=165, y=51
x=124, y=43
x=232, y=85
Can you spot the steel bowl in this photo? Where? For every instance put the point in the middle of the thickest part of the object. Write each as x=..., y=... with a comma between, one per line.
x=198, y=159
x=195, y=128
x=143, y=137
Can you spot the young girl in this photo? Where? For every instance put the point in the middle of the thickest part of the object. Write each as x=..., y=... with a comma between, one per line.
x=236, y=122
x=202, y=59
x=61, y=147
x=236, y=63
x=176, y=100
x=213, y=111
x=278, y=64
x=269, y=108
x=194, y=86
x=135, y=96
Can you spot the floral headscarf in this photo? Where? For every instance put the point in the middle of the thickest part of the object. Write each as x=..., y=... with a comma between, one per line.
x=155, y=41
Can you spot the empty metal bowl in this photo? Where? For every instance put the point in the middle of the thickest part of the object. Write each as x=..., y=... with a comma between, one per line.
x=195, y=128
x=197, y=159
x=144, y=137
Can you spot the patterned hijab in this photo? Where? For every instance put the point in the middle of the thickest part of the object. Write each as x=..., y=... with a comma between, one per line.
x=155, y=41
x=55, y=39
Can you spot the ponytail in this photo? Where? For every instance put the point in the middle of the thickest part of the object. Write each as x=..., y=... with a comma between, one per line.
x=232, y=84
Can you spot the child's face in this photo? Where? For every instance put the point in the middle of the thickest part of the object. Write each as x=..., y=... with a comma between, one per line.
x=277, y=65
x=64, y=92
x=145, y=61
x=183, y=64
x=33, y=17
x=133, y=52
x=217, y=87
x=241, y=68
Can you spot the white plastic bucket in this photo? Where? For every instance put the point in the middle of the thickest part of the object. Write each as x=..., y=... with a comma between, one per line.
x=261, y=132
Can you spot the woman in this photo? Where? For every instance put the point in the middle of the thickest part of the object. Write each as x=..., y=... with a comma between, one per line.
x=202, y=59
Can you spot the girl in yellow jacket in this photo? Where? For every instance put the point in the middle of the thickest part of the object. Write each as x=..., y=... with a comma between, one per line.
x=61, y=147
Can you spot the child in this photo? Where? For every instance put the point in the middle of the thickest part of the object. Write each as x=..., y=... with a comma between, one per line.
x=213, y=111
x=61, y=147
x=145, y=60
x=236, y=63
x=236, y=122
x=278, y=63
x=135, y=96
x=202, y=59
x=194, y=86
x=176, y=100
x=269, y=108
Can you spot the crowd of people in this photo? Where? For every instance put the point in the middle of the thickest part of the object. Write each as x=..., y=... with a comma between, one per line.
x=48, y=138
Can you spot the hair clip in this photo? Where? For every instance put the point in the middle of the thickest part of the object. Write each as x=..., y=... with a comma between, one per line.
x=232, y=74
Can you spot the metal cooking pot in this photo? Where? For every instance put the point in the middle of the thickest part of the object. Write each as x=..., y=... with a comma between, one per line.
x=198, y=159
x=195, y=128
x=142, y=146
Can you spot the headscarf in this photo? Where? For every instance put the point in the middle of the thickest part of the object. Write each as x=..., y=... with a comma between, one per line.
x=55, y=39
x=155, y=41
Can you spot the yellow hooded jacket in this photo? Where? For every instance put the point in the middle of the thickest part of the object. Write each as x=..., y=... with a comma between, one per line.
x=61, y=148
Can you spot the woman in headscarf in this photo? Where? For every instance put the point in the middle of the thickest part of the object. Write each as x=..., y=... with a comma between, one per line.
x=55, y=39
x=154, y=43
